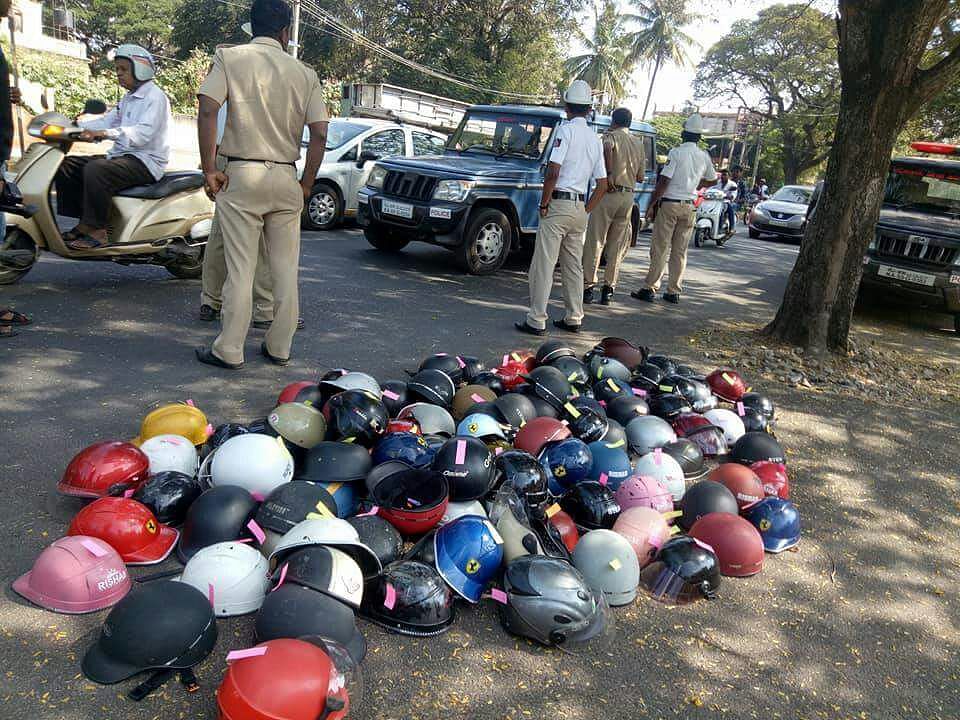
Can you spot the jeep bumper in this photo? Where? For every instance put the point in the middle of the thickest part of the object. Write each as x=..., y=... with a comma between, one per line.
x=439, y=223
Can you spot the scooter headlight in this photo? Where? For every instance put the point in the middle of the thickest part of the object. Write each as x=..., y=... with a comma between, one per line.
x=52, y=131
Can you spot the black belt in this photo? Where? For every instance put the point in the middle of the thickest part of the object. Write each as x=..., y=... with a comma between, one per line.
x=560, y=195
x=684, y=202
x=258, y=160
x=622, y=188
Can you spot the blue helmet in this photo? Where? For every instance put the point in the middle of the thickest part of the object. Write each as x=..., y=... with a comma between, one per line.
x=468, y=554
x=345, y=496
x=610, y=460
x=778, y=522
x=408, y=447
x=566, y=463
x=480, y=425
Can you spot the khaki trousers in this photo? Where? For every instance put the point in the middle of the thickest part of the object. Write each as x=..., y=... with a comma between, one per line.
x=261, y=198
x=560, y=236
x=608, y=232
x=671, y=235
x=215, y=273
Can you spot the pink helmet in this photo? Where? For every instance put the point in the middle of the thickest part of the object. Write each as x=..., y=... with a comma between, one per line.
x=76, y=574
x=645, y=529
x=644, y=491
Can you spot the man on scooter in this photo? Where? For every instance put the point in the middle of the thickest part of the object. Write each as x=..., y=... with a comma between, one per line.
x=729, y=188
x=138, y=126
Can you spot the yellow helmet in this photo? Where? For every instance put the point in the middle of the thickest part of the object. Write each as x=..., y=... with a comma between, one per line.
x=175, y=419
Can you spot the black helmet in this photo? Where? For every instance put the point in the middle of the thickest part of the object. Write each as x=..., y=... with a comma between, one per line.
x=625, y=408
x=682, y=572
x=591, y=505
x=424, y=550
x=678, y=385
x=550, y=384
x=551, y=541
x=450, y=365
x=761, y=403
x=602, y=368
x=515, y=409
x=220, y=514
x=489, y=379
x=549, y=601
x=588, y=401
x=700, y=396
x=467, y=464
x=688, y=371
x=706, y=496
x=393, y=395
x=293, y=611
x=378, y=535
x=524, y=473
x=587, y=424
x=294, y=502
x=383, y=471
x=334, y=462
x=756, y=421
x=541, y=406
x=356, y=416
x=687, y=453
x=221, y=434
x=169, y=495
x=165, y=624
x=647, y=377
x=668, y=405
x=432, y=386
x=553, y=350
x=616, y=434
x=666, y=365
x=472, y=367
x=574, y=370
x=420, y=603
x=324, y=569
x=756, y=446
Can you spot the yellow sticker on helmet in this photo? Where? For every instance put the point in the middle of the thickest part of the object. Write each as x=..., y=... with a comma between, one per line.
x=553, y=510
x=151, y=527
x=572, y=410
x=615, y=445
x=670, y=515
x=666, y=388
x=727, y=377
x=612, y=385
x=615, y=564
x=473, y=566
x=323, y=509
x=333, y=487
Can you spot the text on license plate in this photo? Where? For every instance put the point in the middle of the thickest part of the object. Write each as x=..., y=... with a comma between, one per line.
x=906, y=275
x=777, y=221
x=403, y=210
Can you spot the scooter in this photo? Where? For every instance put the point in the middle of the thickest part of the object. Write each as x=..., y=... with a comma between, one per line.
x=166, y=223
x=712, y=221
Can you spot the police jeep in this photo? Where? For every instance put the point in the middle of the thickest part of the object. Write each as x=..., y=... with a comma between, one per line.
x=480, y=198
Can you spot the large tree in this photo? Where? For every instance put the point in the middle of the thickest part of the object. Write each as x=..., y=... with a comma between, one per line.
x=886, y=75
x=782, y=65
x=104, y=24
x=606, y=64
x=660, y=38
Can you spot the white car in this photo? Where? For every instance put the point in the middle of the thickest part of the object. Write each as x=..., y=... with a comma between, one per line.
x=353, y=145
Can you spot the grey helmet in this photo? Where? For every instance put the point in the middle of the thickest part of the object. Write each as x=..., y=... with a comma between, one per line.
x=549, y=601
x=603, y=368
x=352, y=381
x=648, y=432
x=432, y=419
x=609, y=564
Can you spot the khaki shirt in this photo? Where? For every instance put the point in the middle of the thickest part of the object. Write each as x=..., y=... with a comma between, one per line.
x=271, y=97
x=629, y=157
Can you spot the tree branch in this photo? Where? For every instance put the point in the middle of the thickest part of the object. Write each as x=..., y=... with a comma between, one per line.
x=933, y=80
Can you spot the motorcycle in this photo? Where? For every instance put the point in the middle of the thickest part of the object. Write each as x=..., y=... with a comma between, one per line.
x=712, y=221
x=166, y=223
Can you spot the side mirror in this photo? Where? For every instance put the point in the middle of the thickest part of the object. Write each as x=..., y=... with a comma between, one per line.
x=366, y=156
x=94, y=107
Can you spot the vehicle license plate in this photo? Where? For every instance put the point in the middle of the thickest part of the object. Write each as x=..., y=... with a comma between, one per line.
x=403, y=210
x=776, y=221
x=442, y=213
x=906, y=275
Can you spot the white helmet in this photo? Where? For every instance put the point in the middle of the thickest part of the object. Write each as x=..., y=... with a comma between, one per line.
x=140, y=59
x=694, y=124
x=729, y=422
x=332, y=532
x=353, y=381
x=662, y=467
x=578, y=93
x=234, y=576
x=257, y=463
x=171, y=452
x=608, y=563
x=458, y=509
x=326, y=570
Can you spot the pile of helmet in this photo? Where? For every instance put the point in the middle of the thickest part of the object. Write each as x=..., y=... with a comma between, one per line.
x=554, y=485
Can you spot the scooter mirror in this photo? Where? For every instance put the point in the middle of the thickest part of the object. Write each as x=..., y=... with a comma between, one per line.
x=94, y=107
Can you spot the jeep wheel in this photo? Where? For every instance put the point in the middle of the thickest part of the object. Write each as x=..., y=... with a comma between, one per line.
x=486, y=242
x=324, y=209
x=384, y=239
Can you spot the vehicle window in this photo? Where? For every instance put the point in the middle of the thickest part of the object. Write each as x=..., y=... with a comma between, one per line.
x=502, y=134
x=793, y=195
x=909, y=186
x=350, y=155
x=386, y=143
x=648, y=149
x=424, y=144
x=339, y=133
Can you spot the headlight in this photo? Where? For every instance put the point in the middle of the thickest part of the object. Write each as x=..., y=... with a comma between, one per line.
x=873, y=243
x=376, y=177
x=759, y=210
x=452, y=190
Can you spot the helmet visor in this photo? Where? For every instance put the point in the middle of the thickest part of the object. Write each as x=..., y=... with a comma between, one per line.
x=664, y=585
x=600, y=625
x=710, y=441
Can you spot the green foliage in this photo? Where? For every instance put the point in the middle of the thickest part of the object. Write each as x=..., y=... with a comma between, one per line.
x=669, y=126
x=607, y=62
x=180, y=80
x=661, y=39
x=204, y=24
x=107, y=23
x=70, y=79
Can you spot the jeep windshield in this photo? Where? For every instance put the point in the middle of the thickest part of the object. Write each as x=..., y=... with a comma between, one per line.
x=502, y=134
x=930, y=189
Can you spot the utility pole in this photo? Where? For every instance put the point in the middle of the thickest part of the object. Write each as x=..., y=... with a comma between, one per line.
x=295, y=32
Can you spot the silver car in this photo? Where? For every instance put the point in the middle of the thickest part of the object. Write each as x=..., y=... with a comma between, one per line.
x=784, y=214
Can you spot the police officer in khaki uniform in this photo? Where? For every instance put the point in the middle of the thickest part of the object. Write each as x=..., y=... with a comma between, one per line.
x=609, y=229
x=688, y=168
x=575, y=160
x=270, y=96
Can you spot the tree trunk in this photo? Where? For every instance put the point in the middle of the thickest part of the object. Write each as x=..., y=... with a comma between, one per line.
x=882, y=43
x=653, y=78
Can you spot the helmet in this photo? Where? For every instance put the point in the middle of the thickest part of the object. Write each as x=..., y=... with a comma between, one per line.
x=688, y=423
x=645, y=529
x=760, y=403
x=168, y=495
x=472, y=366
x=553, y=350
x=404, y=426
x=647, y=377
x=688, y=371
x=343, y=381
x=540, y=406
x=411, y=449
x=574, y=370
x=727, y=384
x=299, y=423
x=773, y=478
x=667, y=366
x=412, y=500
x=665, y=470
x=587, y=424
x=566, y=463
x=356, y=416
x=128, y=527
x=736, y=543
x=625, y=408
x=384, y=470
x=468, y=396
x=459, y=509
x=393, y=395
x=140, y=60
x=104, y=468
x=489, y=379
x=468, y=553
x=551, y=385
x=257, y=463
x=223, y=433
x=609, y=564
x=289, y=504
x=538, y=432
x=220, y=514
x=162, y=624
x=333, y=532
x=480, y=426
x=345, y=496
x=75, y=575
x=676, y=384
x=616, y=435
x=611, y=464
x=233, y=576
x=409, y=598
x=335, y=462
x=649, y=432
x=756, y=446
x=778, y=522
x=523, y=473
x=295, y=611
x=591, y=505
x=755, y=421
x=326, y=570
x=467, y=465
x=622, y=350
x=604, y=368
x=305, y=391
x=706, y=497
x=741, y=481
x=452, y=366
x=643, y=491
x=606, y=390
x=729, y=422
x=684, y=571
x=510, y=373
x=510, y=517
x=699, y=395
x=516, y=409
x=176, y=419
x=433, y=420
x=549, y=601
x=588, y=402
x=668, y=405
x=688, y=454
x=380, y=536
x=700, y=431
x=292, y=679
x=170, y=453
x=423, y=551
x=566, y=528
x=432, y=386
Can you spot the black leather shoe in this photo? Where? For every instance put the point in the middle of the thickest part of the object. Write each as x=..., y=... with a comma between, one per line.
x=206, y=356
x=672, y=298
x=589, y=295
x=524, y=327
x=562, y=324
x=265, y=324
x=208, y=314
x=272, y=358
x=645, y=294
x=605, y=294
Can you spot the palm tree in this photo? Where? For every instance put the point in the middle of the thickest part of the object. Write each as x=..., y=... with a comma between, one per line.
x=661, y=38
x=608, y=62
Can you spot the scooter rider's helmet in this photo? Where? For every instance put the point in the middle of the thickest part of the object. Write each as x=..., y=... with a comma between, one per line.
x=409, y=598
x=305, y=391
x=140, y=59
x=727, y=384
x=606, y=390
x=700, y=396
x=647, y=377
x=773, y=478
x=665, y=470
x=104, y=468
x=553, y=350
x=644, y=434
x=551, y=385
x=741, y=481
x=489, y=379
x=623, y=350
x=704, y=497
x=625, y=408
x=645, y=529
x=432, y=386
x=616, y=435
x=380, y=536
x=467, y=465
x=220, y=435
x=432, y=419
x=324, y=569
x=761, y=403
x=729, y=422
x=290, y=504
x=685, y=570
x=756, y=446
x=472, y=367
x=393, y=395
x=411, y=449
x=450, y=365
x=233, y=576
x=591, y=505
x=778, y=522
x=257, y=463
x=566, y=463
x=127, y=526
x=688, y=454
x=566, y=528
x=755, y=421
x=220, y=514
x=467, y=397
x=356, y=416
x=516, y=409
x=175, y=419
x=574, y=370
x=335, y=462
x=169, y=495
x=412, y=500
x=603, y=368
x=334, y=532
x=643, y=491
x=171, y=452
x=609, y=564
x=589, y=402
x=541, y=406
x=483, y=427
x=521, y=471
x=338, y=381
x=667, y=366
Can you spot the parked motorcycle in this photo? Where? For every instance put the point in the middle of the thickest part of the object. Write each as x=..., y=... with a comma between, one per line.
x=166, y=223
x=713, y=222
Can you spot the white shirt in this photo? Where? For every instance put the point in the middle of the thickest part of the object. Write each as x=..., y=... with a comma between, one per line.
x=139, y=126
x=578, y=151
x=686, y=166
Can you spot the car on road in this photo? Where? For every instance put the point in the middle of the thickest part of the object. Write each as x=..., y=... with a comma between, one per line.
x=353, y=145
x=783, y=215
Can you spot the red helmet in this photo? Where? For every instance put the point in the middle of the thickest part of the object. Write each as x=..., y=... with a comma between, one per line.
x=773, y=478
x=292, y=679
x=727, y=385
x=128, y=527
x=105, y=468
x=686, y=424
x=406, y=425
x=511, y=374
x=304, y=391
x=735, y=540
x=413, y=500
x=624, y=351
x=538, y=432
x=741, y=481
x=567, y=528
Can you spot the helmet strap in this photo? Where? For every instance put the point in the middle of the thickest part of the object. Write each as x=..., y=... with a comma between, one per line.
x=155, y=681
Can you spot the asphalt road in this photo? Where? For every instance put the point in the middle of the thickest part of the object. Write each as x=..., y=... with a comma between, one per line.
x=861, y=622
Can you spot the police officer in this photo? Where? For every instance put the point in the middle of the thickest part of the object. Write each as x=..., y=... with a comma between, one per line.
x=688, y=168
x=575, y=160
x=270, y=96
x=609, y=229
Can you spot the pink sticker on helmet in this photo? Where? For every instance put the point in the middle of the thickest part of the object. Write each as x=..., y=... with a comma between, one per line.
x=603, y=403
x=190, y=402
x=390, y=395
x=498, y=450
x=702, y=544
x=639, y=393
x=441, y=354
x=248, y=653
x=372, y=511
x=461, y=452
x=499, y=595
x=477, y=398
x=413, y=503
x=740, y=410
x=283, y=576
x=257, y=531
x=128, y=493
x=657, y=455
x=603, y=479
x=94, y=547
x=257, y=496
x=210, y=594
x=244, y=540
x=208, y=429
x=389, y=596
x=506, y=359
x=655, y=541
x=460, y=362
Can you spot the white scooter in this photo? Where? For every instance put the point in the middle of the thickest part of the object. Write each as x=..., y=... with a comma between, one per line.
x=713, y=222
